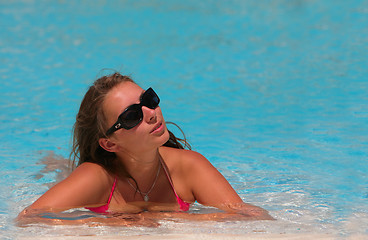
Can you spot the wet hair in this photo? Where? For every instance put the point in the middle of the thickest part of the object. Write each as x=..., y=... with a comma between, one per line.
x=91, y=125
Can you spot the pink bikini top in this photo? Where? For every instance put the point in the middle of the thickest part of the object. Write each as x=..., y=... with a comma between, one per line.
x=184, y=206
x=104, y=208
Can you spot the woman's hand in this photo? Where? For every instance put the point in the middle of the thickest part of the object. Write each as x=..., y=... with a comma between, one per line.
x=246, y=210
x=32, y=216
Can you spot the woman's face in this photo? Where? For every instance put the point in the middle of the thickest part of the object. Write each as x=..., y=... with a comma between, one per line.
x=149, y=134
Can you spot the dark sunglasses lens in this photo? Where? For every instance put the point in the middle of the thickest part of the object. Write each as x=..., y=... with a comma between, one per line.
x=150, y=99
x=132, y=116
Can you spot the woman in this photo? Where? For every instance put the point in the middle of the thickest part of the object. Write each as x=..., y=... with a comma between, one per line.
x=130, y=163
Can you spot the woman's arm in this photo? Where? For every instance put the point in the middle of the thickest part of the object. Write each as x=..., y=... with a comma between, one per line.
x=31, y=216
x=210, y=188
x=89, y=184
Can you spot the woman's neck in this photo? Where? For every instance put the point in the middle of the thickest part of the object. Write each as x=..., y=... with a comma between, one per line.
x=141, y=166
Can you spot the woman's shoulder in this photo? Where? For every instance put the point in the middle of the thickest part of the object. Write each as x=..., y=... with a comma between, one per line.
x=91, y=167
x=183, y=158
x=92, y=176
x=88, y=184
x=92, y=171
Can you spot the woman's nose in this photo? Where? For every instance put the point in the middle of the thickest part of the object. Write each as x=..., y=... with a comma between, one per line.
x=149, y=115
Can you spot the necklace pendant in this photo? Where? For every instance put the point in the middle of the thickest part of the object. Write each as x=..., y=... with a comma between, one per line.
x=146, y=198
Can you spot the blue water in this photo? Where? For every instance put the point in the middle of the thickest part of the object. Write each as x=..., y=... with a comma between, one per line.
x=273, y=93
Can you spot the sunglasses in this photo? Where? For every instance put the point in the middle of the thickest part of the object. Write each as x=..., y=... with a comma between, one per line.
x=133, y=114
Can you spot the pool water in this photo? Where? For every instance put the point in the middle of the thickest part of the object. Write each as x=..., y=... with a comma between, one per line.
x=273, y=93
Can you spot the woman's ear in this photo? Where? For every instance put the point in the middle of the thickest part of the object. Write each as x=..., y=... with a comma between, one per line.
x=108, y=145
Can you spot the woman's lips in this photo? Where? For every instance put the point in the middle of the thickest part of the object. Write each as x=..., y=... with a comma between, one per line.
x=158, y=128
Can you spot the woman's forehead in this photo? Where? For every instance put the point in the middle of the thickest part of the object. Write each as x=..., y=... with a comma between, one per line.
x=126, y=90
x=120, y=97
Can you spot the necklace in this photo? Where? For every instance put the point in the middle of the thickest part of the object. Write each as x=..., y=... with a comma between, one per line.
x=145, y=194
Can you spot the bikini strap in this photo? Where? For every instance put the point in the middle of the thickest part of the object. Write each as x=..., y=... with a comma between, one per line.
x=168, y=175
x=184, y=206
x=112, y=190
